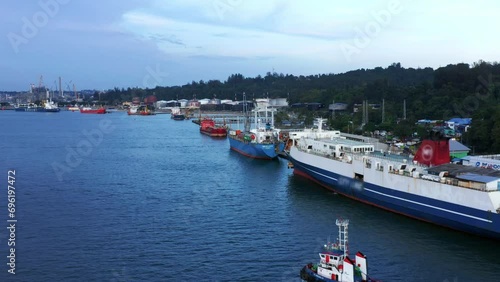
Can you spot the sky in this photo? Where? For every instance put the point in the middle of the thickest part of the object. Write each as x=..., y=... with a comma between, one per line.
x=132, y=43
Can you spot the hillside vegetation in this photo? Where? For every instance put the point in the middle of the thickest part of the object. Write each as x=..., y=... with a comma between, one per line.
x=457, y=90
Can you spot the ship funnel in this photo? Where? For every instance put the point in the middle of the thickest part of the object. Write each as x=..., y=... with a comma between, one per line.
x=433, y=152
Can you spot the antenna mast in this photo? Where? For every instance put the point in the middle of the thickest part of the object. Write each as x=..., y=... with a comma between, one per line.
x=343, y=237
x=245, y=113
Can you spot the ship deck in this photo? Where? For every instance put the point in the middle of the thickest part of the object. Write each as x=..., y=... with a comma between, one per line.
x=455, y=170
x=376, y=153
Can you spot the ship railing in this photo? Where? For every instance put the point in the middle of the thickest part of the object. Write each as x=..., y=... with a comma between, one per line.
x=294, y=130
x=478, y=186
x=406, y=173
x=328, y=156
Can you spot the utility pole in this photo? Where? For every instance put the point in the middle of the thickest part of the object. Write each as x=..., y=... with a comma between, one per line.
x=366, y=122
x=404, y=109
x=383, y=110
x=365, y=112
x=333, y=109
x=363, y=115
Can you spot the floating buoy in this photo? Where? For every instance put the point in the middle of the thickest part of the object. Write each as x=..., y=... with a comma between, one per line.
x=253, y=137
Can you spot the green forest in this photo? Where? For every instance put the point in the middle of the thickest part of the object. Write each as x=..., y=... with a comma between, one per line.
x=456, y=90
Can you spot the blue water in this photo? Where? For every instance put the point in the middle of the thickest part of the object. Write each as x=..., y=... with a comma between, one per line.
x=152, y=199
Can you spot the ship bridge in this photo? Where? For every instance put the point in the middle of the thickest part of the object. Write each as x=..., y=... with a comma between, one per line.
x=351, y=146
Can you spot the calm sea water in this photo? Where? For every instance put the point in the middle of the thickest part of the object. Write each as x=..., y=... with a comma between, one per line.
x=122, y=198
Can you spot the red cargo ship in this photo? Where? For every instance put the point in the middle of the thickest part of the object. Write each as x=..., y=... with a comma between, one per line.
x=208, y=127
x=93, y=111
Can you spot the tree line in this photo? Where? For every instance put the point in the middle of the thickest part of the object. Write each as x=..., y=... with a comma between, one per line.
x=456, y=90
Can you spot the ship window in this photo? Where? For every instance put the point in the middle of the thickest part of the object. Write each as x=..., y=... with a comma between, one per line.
x=309, y=147
x=358, y=176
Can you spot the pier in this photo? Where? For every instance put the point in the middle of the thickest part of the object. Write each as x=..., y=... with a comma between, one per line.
x=226, y=118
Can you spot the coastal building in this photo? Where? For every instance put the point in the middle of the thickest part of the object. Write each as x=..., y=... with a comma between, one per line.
x=161, y=104
x=460, y=125
x=337, y=107
x=272, y=103
x=309, y=106
x=458, y=150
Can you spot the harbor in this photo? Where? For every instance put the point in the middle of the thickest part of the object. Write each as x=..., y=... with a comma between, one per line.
x=225, y=141
x=177, y=182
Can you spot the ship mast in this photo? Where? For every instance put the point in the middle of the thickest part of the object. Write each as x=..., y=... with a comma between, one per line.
x=343, y=237
x=245, y=113
x=74, y=90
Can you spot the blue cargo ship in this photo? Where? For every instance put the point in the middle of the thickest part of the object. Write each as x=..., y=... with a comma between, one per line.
x=243, y=144
x=48, y=107
x=260, y=142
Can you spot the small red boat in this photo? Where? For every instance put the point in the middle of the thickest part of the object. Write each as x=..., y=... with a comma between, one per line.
x=93, y=110
x=208, y=127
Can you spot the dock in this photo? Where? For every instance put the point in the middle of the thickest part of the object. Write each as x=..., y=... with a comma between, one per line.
x=226, y=119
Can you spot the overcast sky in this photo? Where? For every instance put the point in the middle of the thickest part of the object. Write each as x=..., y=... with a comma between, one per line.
x=134, y=43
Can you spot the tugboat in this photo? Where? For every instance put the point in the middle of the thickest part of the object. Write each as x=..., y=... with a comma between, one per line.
x=177, y=114
x=335, y=264
x=145, y=111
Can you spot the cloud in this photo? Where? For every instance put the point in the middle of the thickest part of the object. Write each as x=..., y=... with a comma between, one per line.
x=233, y=37
x=111, y=44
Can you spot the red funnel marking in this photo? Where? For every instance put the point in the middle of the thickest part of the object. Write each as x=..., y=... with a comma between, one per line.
x=433, y=153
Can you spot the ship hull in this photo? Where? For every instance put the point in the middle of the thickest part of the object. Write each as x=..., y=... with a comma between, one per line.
x=214, y=132
x=178, y=117
x=310, y=276
x=140, y=113
x=340, y=178
x=254, y=150
x=41, y=110
x=93, y=111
